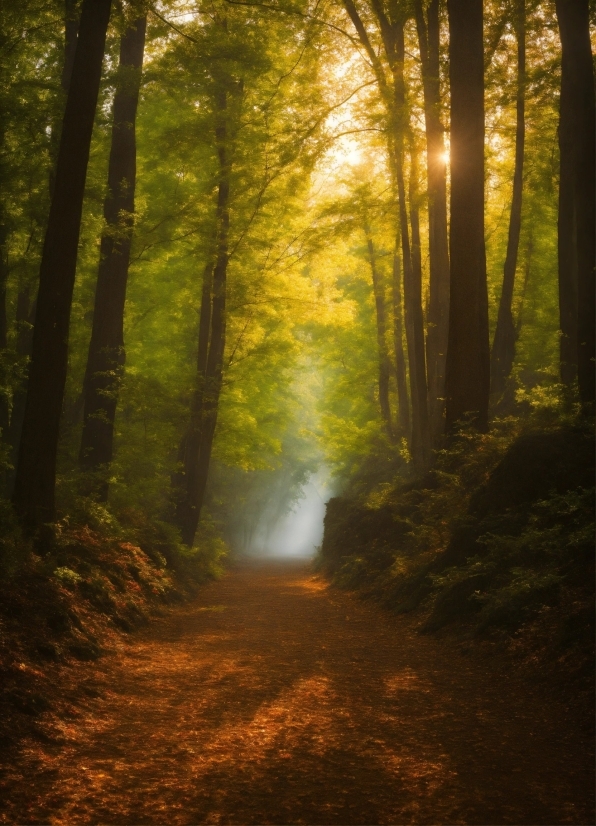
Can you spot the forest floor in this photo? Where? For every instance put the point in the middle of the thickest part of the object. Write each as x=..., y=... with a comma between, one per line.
x=275, y=698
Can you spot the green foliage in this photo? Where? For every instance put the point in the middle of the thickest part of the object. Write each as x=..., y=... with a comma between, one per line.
x=309, y=173
x=498, y=533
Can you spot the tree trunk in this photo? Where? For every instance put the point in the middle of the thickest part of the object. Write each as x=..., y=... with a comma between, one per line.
x=529, y=252
x=438, y=245
x=403, y=404
x=105, y=362
x=4, y=377
x=567, y=252
x=415, y=303
x=503, y=350
x=381, y=317
x=199, y=441
x=189, y=446
x=416, y=436
x=392, y=33
x=25, y=314
x=468, y=356
x=71, y=33
x=577, y=202
x=34, y=494
x=420, y=444
x=25, y=320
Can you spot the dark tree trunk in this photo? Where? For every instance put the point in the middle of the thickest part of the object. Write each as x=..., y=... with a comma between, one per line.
x=34, y=493
x=198, y=443
x=529, y=252
x=438, y=245
x=71, y=32
x=468, y=356
x=25, y=319
x=408, y=278
x=420, y=443
x=403, y=404
x=25, y=314
x=417, y=314
x=4, y=378
x=577, y=201
x=381, y=318
x=105, y=361
x=567, y=251
x=4, y=271
x=189, y=446
x=503, y=350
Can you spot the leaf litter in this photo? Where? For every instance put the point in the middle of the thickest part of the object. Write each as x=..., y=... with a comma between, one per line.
x=260, y=702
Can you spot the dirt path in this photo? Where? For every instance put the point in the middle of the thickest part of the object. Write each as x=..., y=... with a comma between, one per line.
x=275, y=699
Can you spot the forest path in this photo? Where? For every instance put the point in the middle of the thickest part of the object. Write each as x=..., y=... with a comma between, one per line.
x=276, y=699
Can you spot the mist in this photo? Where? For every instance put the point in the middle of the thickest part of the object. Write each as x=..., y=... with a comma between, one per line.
x=299, y=532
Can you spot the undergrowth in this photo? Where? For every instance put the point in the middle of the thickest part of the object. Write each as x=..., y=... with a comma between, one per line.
x=494, y=543
x=96, y=576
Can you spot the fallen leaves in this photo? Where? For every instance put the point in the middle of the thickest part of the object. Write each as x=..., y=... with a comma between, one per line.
x=263, y=704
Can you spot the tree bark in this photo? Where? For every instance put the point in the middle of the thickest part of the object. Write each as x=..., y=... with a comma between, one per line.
x=417, y=314
x=25, y=320
x=577, y=199
x=34, y=493
x=4, y=389
x=420, y=444
x=438, y=244
x=71, y=33
x=190, y=443
x=468, y=356
x=199, y=440
x=26, y=305
x=403, y=404
x=503, y=349
x=105, y=361
x=381, y=319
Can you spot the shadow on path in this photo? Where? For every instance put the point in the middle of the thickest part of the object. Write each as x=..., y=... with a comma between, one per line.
x=276, y=699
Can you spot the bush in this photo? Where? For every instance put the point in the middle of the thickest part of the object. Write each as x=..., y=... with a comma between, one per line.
x=499, y=532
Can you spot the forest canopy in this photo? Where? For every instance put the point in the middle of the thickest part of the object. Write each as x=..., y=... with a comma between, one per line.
x=243, y=241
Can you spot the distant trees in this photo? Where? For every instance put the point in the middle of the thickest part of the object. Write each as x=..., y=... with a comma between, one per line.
x=245, y=129
x=197, y=445
x=391, y=81
x=381, y=318
x=289, y=175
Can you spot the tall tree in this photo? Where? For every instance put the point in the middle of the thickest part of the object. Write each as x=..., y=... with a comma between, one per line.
x=468, y=356
x=71, y=33
x=34, y=493
x=381, y=318
x=393, y=93
x=403, y=404
x=4, y=270
x=577, y=201
x=198, y=441
x=503, y=349
x=105, y=361
x=428, y=28
x=415, y=322
x=27, y=298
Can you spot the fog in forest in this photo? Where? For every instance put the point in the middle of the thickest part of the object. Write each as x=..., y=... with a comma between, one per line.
x=298, y=532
